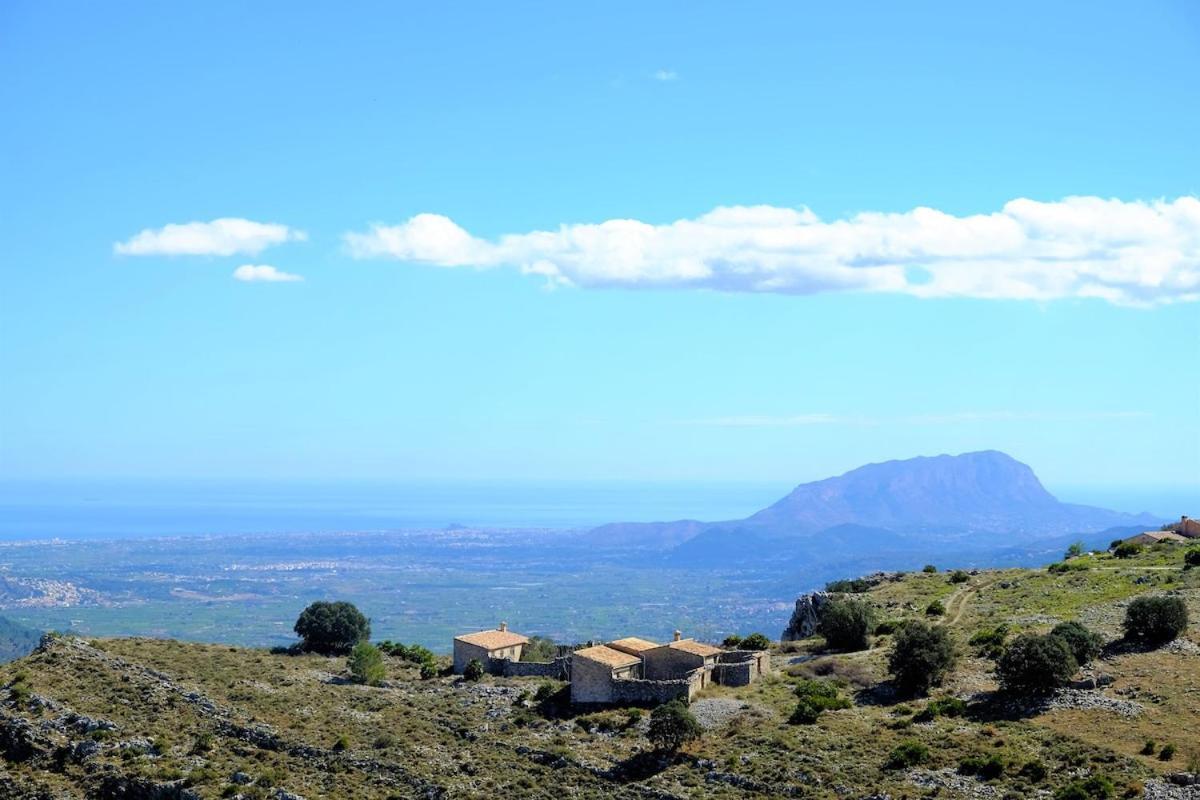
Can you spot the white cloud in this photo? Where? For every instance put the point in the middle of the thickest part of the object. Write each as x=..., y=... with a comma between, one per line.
x=264, y=273
x=1129, y=253
x=666, y=75
x=221, y=237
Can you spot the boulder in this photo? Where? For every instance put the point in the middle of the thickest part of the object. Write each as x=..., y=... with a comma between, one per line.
x=805, y=616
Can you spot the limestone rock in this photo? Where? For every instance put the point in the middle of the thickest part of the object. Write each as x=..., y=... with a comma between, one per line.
x=805, y=616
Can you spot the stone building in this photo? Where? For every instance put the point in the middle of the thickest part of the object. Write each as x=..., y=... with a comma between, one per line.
x=1186, y=527
x=491, y=648
x=1154, y=537
x=595, y=670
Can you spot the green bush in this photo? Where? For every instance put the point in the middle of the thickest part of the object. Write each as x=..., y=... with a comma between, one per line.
x=1192, y=557
x=366, y=664
x=1034, y=771
x=732, y=641
x=1085, y=645
x=988, y=768
x=1076, y=549
x=1127, y=550
x=539, y=648
x=1060, y=567
x=907, y=754
x=845, y=623
x=756, y=641
x=929, y=568
x=1096, y=787
x=1156, y=619
x=672, y=725
x=921, y=657
x=474, y=670
x=1167, y=752
x=989, y=642
x=958, y=576
x=1149, y=747
x=935, y=609
x=886, y=627
x=849, y=586
x=942, y=707
x=332, y=628
x=814, y=698
x=429, y=669
x=341, y=743
x=1035, y=664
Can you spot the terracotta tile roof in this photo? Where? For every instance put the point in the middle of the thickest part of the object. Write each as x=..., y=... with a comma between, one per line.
x=608, y=656
x=493, y=640
x=1162, y=536
x=695, y=648
x=633, y=645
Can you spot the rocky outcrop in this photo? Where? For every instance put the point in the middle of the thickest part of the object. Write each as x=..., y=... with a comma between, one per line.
x=805, y=616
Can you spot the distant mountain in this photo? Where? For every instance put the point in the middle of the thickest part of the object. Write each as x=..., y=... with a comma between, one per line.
x=974, y=500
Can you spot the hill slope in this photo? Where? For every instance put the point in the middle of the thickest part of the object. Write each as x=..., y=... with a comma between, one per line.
x=140, y=718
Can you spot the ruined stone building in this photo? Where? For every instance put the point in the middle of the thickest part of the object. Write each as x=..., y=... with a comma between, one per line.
x=500, y=644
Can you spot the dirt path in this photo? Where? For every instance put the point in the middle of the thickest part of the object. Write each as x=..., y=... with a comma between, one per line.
x=958, y=602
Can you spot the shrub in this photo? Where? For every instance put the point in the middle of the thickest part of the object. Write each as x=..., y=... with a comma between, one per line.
x=988, y=768
x=429, y=669
x=732, y=641
x=1096, y=787
x=332, y=628
x=816, y=697
x=850, y=586
x=1076, y=549
x=929, y=568
x=1192, y=557
x=544, y=692
x=474, y=670
x=1034, y=771
x=1060, y=567
x=845, y=624
x=672, y=726
x=366, y=664
x=921, y=657
x=756, y=641
x=887, y=626
x=989, y=642
x=1085, y=645
x=943, y=707
x=1127, y=550
x=539, y=648
x=1037, y=664
x=341, y=743
x=1167, y=753
x=383, y=741
x=958, y=576
x=907, y=754
x=935, y=609
x=1149, y=747
x=1155, y=620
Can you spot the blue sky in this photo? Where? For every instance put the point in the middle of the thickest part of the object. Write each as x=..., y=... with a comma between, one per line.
x=435, y=354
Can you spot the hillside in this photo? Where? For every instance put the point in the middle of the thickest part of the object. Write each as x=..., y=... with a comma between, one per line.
x=141, y=718
x=16, y=640
x=979, y=501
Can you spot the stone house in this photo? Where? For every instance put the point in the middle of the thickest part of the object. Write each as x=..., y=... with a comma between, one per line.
x=1186, y=527
x=596, y=670
x=1154, y=537
x=492, y=648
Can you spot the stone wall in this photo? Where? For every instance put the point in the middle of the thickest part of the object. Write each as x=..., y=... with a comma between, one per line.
x=649, y=692
x=591, y=681
x=666, y=663
x=741, y=667
x=559, y=668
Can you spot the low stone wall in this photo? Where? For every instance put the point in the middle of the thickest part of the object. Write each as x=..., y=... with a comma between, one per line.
x=559, y=668
x=738, y=667
x=646, y=692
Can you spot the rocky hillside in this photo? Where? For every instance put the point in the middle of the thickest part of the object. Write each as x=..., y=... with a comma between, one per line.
x=141, y=719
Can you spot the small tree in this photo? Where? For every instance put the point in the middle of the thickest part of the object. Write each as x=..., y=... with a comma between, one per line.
x=539, y=648
x=1035, y=664
x=1084, y=644
x=366, y=664
x=1156, y=619
x=332, y=628
x=755, y=641
x=930, y=568
x=672, y=725
x=846, y=623
x=958, y=576
x=921, y=657
x=1076, y=549
x=1127, y=550
x=935, y=609
x=732, y=641
x=1192, y=557
x=474, y=670
x=814, y=698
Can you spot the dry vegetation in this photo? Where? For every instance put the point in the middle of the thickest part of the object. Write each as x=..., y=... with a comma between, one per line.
x=211, y=721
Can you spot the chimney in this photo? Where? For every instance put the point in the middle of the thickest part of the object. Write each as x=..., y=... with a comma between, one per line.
x=678, y=634
x=503, y=626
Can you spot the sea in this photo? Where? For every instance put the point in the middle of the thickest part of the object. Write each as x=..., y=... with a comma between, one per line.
x=102, y=509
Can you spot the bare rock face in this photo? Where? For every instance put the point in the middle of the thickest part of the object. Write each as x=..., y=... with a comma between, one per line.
x=805, y=616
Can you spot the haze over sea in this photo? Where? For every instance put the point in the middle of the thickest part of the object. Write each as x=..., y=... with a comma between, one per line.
x=98, y=509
